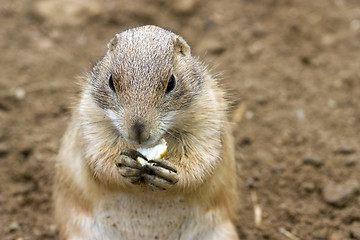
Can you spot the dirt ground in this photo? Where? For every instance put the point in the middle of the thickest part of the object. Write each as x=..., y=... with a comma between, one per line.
x=291, y=65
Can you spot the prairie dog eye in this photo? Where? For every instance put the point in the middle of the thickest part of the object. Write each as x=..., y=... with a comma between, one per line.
x=111, y=83
x=171, y=84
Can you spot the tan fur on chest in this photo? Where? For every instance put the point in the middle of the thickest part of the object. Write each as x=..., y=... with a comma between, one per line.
x=140, y=216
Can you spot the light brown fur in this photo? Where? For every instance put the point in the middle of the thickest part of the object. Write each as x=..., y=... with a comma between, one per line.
x=93, y=200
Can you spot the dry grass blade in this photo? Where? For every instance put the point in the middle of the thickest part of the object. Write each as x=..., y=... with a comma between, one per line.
x=257, y=209
x=238, y=113
x=288, y=234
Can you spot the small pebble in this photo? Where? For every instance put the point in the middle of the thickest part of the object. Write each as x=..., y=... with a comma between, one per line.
x=249, y=115
x=250, y=182
x=332, y=103
x=300, y=114
x=4, y=149
x=355, y=231
x=327, y=40
x=184, y=6
x=255, y=48
x=312, y=160
x=338, y=194
x=43, y=43
x=13, y=227
x=258, y=31
x=213, y=46
x=261, y=100
x=336, y=236
x=36, y=232
x=308, y=186
x=345, y=150
x=355, y=25
x=67, y=12
x=52, y=228
x=20, y=93
x=320, y=234
x=351, y=161
x=339, y=3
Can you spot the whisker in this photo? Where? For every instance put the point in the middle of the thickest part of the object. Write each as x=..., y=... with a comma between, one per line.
x=171, y=134
x=169, y=122
x=97, y=122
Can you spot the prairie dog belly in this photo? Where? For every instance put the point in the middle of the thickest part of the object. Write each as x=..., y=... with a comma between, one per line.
x=128, y=216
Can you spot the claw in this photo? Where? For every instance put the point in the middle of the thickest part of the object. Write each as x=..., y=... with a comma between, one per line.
x=134, y=180
x=132, y=154
x=164, y=164
x=158, y=174
x=127, y=161
x=129, y=172
x=163, y=173
x=157, y=183
x=129, y=168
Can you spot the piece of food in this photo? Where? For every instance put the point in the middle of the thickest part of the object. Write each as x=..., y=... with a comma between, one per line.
x=157, y=152
x=142, y=161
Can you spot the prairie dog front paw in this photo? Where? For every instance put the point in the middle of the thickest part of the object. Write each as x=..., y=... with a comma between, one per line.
x=129, y=167
x=160, y=174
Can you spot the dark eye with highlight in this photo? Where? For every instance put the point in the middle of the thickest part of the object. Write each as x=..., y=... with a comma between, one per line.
x=111, y=83
x=171, y=84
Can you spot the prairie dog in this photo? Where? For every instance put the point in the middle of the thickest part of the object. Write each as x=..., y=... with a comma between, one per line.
x=146, y=87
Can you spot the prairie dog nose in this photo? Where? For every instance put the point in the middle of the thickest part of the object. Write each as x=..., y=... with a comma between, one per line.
x=139, y=133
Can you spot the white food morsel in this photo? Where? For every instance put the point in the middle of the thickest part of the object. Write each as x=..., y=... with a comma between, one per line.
x=142, y=161
x=154, y=153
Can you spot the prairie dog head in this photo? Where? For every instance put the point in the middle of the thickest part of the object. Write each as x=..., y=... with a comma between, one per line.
x=145, y=81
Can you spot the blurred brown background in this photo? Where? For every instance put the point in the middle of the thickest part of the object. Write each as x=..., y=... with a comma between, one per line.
x=292, y=65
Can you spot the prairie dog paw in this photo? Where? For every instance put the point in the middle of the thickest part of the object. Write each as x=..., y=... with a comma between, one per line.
x=160, y=174
x=128, y=167
x=148, y=165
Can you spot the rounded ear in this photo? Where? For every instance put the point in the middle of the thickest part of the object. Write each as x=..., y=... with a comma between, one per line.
x=181, y=46
x=112, y=44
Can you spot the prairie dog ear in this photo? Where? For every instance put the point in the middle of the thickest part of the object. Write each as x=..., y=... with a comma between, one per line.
x=112, y=44
x=181, y=46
